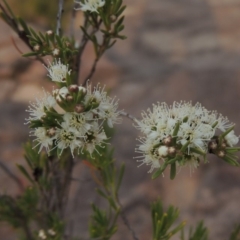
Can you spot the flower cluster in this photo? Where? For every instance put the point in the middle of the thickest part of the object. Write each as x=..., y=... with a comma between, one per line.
x=90, y=5
x=71, y=116
x=182, y=134
x=45, y=234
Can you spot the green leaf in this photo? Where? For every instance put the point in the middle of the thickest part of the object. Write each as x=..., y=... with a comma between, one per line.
x=24, y=25
x=235, y=235
x=9, y=9
x=173, y=170
x=121, y=173
x=30, y=54
x=25, y=173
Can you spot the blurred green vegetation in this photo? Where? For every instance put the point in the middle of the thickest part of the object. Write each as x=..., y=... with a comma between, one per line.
x=42, y=12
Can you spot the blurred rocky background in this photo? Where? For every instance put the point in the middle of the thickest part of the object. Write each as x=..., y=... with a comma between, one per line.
x=175, y=50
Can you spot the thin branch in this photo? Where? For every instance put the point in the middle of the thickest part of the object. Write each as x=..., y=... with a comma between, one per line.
x=21, y=33
x=82, y=47
x=72, y=22
x=91, y=71
x=125, y=220
x=12, y=175
x=59, y=17
x=80, y=50
x=128, y=116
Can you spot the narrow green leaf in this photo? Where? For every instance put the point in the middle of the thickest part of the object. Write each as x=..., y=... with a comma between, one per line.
x=120, y=11
x=121, y=173
x=9, y=9
x=101, y=193
x=25, y=173
x=24, y=25
x=173, y=171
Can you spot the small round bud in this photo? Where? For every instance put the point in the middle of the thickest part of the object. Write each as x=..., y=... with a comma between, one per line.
x=36, y=48
x=73, y=88
x=55, y=52
x=51, y=132
x=163, y=151
x=42, y=235
x=212, y=145
x=82, y=89
x=51, y=232
x=167, y=140
x=223, y=145
x=221, y=154
x=69, y=98
x=49, y=32
x=59, y=100
x=79, y=108
x=113, y=18
x=171, y=150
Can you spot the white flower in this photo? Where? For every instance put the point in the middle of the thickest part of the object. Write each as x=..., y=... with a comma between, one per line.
x=42, y=138
x=42, y=235
x=37, y=109
x=58, y=71
x=94, y=137
x=163, y=151
x=66, y=136
x=231, y=139
x=61, y=93
x=90, y=5
x=149, y=155
x=51, y=232
x=78, y=121
x=107, y=108
x=55, y=52
x=196, y=127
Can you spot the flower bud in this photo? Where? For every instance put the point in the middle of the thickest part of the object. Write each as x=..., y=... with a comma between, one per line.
x=36, y=48
x=51, y=132
x=55, y=52
x=223, y=145
x=163, y=151
x=221, y=154
x=69, y=98
x=73, y=88
x=83, y=90
x=79, y=108
x=212, y=145
x=49, y=32
x=167, y=140
x=51, y=232
x=171, y=150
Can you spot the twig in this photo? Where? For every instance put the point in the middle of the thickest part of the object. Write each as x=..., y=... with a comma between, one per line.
x=59, y=16
x=72, y=23
x=128, y=116
x=91, y=72
x=80, y=50
x=126, y=222
x=12, y=175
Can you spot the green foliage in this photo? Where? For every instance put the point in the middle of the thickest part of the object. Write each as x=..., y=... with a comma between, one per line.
x=163, y=221
x=235, y=235
x=100, y=226
x=200, y=233
x=19, y=211
x=110, y=23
